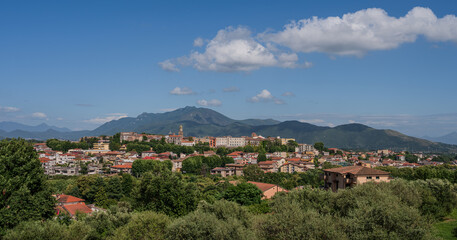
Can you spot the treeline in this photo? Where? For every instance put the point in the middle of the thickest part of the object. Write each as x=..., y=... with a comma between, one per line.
x=64, y=146
x=423, y=173
x=203, y=165
x=288, y=181
x=397, y=210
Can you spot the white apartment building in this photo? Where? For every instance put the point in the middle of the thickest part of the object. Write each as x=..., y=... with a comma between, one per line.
x=230, y=142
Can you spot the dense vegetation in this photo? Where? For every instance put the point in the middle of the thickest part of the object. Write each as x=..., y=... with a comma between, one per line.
x=423, y=173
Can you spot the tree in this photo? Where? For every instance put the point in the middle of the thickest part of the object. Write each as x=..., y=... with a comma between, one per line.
x=319, y=146
x=25, y=194
x=243, y=193
x=167, y=193
x=221, y=220
x=139, y=167
x=261, y=157
x=253, y=173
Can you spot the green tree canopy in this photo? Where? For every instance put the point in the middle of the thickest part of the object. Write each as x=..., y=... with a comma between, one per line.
x=24, y=193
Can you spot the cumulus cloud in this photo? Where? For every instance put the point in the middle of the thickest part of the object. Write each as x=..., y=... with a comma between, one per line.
x=236, y=49
x=169, y=66
x=9, y=109
x=107, y=118
x=209, y=103
x=288, y=94
x=231, y=89
x=39, y=115
x=198, y=42
x=265, y=96
x=182, y=91
x=363, y=31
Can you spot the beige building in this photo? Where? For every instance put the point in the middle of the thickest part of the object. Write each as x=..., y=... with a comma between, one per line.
x=231, y=142
x=101, y=145
x=344, y=177
x=268, y=190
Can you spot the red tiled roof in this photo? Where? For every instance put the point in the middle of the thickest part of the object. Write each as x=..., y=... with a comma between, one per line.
x=72, y=209
x=63, y=198
x=265, y=163
x=122, y=166
x=357, y=170
x=262, y=186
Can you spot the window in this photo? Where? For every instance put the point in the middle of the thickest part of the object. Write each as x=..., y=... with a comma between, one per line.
x=369, y=177
x=377, y=177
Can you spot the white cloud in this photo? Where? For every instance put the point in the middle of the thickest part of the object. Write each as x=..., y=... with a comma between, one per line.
x=231, y=89
x=209, y=103
x=235, y=49
x=169, y=66
x=363, y=31
x=265, y=96
x=198, y=42
x=312, y=121
x=182, y=91
x=167, y=109
x=288, y=94
x=59, y=119
x=39, y=115
x=109, y=117
x=9, y=109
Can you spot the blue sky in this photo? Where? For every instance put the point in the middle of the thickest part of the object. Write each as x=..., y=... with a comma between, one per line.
x=387, y=64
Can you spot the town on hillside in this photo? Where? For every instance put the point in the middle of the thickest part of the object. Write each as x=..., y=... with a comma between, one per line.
x=111, y=155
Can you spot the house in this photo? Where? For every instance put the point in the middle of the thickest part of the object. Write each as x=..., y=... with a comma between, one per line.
x=291, y=167
x=343, y=177
x=124, y=168
x=177, y=165
x=223, y=171
x=268, y=190
x=71, y=205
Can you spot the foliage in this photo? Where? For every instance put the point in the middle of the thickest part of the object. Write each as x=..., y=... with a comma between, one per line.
x=423, y=173
x=143, y=225
x=203, y=165
x=243, y=193
x=221, y=220
x=140, y=167
x=25, y=194
x=166, y=193
x=64, y=146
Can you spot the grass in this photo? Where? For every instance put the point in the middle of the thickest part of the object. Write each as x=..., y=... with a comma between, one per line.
x=444, y=228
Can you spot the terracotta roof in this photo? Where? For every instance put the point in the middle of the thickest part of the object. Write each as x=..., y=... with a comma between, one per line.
x=122, y=166
x=63, y=198
x=72, y=209
x=262, y=186
x=265, y=163
x=357, y=170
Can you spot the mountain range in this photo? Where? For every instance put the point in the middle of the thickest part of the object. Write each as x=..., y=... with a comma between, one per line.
x=11, y=126
x=450, y=138
x=206, y=122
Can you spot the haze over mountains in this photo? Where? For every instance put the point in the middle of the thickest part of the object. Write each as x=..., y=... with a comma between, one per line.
x=450, y=138
x=207, y=122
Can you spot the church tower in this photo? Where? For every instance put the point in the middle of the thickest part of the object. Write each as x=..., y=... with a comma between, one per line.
x=180, y=131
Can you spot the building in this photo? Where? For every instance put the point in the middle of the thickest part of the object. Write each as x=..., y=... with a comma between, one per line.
x=223, y=171
x=101, y=145
x=305, y=148
x=124, y=168
x=67, y=204
x=131, y=136
x=230, y=142
x=268, y=190
x=344, y=177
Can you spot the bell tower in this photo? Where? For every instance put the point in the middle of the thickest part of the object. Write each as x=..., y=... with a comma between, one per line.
x=181, y=133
